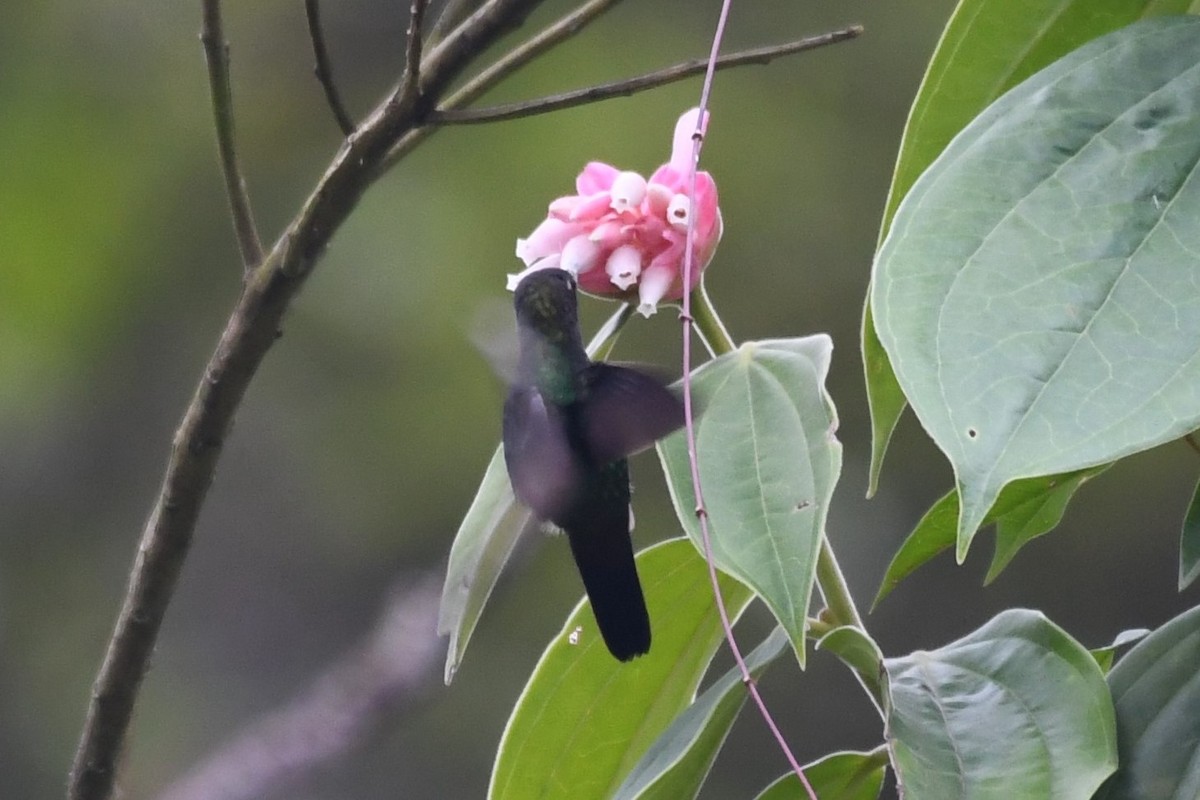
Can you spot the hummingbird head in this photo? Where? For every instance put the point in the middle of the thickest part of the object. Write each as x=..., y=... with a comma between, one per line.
x=545, y=303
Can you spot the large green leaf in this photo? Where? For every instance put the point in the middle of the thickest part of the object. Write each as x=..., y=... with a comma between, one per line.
x=1036, y=294
x=1156, y=690
x=837, y=776
x=768, y=462
x=1025, y=509
x=987, y=47
x=489, y=532
x=1016, y=709
x=677, y=763
x=585, y=719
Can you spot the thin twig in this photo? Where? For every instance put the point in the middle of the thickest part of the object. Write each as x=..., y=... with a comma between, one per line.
x=510, y=62
x=323, y=69
x=641, y=83
x=688, y=412
x=389, y=670
x=410, y=83
x=252, y=328
x=453, y=12
x=216, y=53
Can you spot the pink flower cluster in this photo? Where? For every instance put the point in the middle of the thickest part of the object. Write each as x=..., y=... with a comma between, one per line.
x=622, y=234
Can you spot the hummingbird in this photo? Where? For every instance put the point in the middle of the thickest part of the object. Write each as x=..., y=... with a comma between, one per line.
x=569, y=426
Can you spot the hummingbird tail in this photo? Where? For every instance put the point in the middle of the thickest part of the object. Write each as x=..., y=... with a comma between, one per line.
x=610, y=578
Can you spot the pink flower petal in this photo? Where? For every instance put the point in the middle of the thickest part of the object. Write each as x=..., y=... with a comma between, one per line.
x=546, y=239
x=624, y=266
x=682, y=145
x=628, y=191
x=609, y=234
x=596, y=177
x=580, y=254
x=592, y=207
x=652, y=287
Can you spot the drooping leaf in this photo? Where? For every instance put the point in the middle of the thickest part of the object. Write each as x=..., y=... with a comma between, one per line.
x=987, y=47
x=768, y=463
x=585, y=719
x=1189, y=542
x=1025, y=509
x=1036, y=292
x=485, y=540
x=1015, y=709
x=489, y=532
x=837, y=776
x=862, y=654
x=1157, y=693
x=1104, y=655
x=1037, y=506
x=678, y=762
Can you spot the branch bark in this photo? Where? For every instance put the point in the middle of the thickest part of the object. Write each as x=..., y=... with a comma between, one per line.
x=216, y=54
x=323, y=69
x=252, y=328
x=640, y=83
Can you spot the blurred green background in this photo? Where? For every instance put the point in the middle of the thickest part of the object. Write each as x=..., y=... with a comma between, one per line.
x=361, y=442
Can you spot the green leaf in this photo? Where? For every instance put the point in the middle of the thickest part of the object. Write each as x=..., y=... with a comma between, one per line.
x=885, y=398
x=585, y=719
x=1189, y=542
x=489, y=533
x=677, y=763
x=768, y=464
x=861, y=653
x=1157, y=694
x=987, y=47
x=1029, y=508
x=485, y=540
x=1016, y=709
x=837, y=776
x=1025, y=509
x=1104, y=655
x=1036, y=292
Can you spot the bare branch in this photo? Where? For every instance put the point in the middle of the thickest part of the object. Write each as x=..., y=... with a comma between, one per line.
x=628, y=86
x=388, y=671
x=556, y=33
x=322, y=68
x=410, y=83
x=216, y=53
x=252, y=328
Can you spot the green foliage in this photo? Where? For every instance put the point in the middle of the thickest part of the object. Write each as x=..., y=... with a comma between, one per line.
x=1025, y=510
x=676, y=765
x=1189, y=542
x=584, y=719
x=1034, y=301
x=1041, y=318
x=837, y=776
x=1015, y=709
x=1156, y=694
x=768, y=463
x=988, y=47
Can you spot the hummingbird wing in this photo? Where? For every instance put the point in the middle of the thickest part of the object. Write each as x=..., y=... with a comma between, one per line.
x=598, y=527
x=624, y=411
x=545, y=474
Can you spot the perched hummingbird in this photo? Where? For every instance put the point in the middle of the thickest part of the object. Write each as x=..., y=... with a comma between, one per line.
x=569, y=424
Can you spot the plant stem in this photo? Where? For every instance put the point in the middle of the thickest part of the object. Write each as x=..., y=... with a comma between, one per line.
x=640, y=83
x=323, y=69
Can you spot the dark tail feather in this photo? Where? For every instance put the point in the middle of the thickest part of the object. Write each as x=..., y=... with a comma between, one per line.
x=605, y=563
